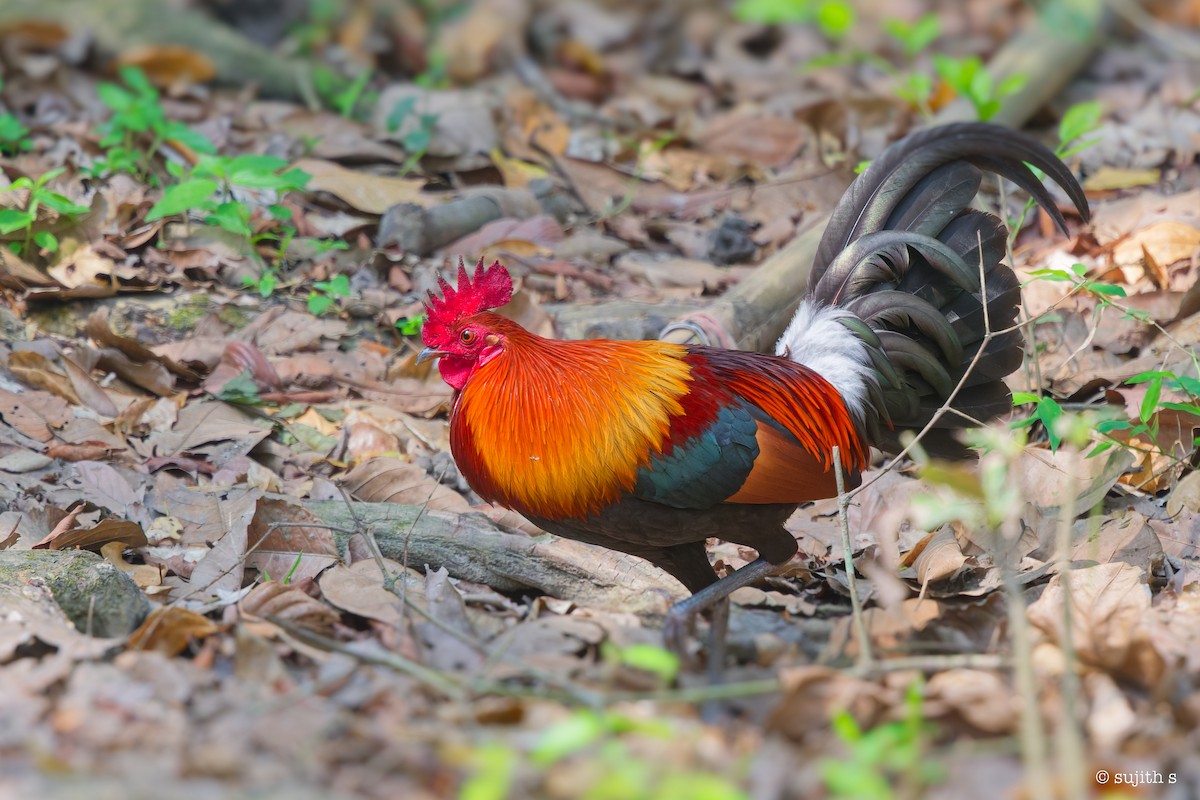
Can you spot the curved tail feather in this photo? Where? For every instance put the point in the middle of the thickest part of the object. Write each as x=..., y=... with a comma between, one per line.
x=907, y=287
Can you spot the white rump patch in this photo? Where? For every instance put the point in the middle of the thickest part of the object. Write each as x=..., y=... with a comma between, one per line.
x=817, y=340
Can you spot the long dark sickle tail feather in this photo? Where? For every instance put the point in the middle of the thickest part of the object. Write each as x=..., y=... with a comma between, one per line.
x=904, y=252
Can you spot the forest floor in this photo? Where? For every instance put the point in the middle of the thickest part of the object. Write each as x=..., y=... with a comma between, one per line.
x=218, y=221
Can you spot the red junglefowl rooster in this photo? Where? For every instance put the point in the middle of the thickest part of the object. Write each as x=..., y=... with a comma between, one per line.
x=650, y=448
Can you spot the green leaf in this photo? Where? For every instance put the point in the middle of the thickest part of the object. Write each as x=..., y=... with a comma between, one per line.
x=1107, y=289
x=1150, y=401
x=136, y=79
x=1011, y=85
x=773, y=12
x=1049, y=412
x=231, y=216
x=114, y=96
x=46, y=241
x=653, y=659
x=568, y=736
x=195, y=193
x=267, y=283
x=178, y=132
x=340, y=285
x=12, y=219
x=410, y=326
x=1079, y=120
x=495, y=766
x=61, y=204
x=1187, y=384
x=319, y=303
x=1188, y=408
x=914, y=37
x=1021, y=398
x=241, y=389
x=835, y=18
x=399, y=112
x=1151, y=375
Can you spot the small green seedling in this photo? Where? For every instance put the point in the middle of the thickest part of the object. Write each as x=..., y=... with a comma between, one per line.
x=410, y=326
x=138, y=126
x=14, y=137
x=25, y=219
x=885, y=762
x=325, y=294
x=416, y=141
x=970, y=79
x=914, y=37
x=834, y=18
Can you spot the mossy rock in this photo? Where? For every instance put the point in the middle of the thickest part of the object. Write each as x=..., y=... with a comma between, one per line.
x=97, y=597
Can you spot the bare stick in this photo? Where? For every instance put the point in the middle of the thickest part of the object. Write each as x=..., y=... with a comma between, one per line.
x=860, y=624
x=1032, y=738
x=1070, y=738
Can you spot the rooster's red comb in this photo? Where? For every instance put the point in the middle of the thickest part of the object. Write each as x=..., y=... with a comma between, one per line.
x=489, y=288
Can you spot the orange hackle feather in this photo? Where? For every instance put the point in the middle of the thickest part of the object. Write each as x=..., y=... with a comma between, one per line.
x=559, y=429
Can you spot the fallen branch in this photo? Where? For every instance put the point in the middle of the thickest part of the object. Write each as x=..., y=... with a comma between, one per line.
x=472, y=547
x=123, y=25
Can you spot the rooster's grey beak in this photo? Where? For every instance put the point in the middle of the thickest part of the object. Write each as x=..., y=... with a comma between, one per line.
x=428, y=353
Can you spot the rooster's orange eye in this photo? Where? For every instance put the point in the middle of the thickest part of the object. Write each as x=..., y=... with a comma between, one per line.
x=467, y=336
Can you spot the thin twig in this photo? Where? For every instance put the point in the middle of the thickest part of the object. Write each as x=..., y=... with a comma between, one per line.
x=860, y=623
x=1070, y=738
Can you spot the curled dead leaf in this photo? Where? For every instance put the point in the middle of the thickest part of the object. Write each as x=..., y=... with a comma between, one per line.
x=390, y=480
x=144, y=575
x=940, y=559
x=170, y=630
x=289, y=603
x=125, y=532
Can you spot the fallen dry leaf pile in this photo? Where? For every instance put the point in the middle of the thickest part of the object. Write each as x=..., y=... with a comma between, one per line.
x=293, y=591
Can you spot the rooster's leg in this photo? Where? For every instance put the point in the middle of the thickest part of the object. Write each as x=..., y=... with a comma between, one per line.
x=682, y=615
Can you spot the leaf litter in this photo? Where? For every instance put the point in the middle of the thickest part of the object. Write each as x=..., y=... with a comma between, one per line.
x=185, y=392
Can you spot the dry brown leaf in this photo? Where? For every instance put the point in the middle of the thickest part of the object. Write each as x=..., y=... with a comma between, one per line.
x=35, y=370
x=363, y=191
x=1044, y=475
x=390, y=480
x=207, y=427
x=286, y=541
x=1185, y=495
x=16, y=273
x=1109, y=605
x=63, y=526
x=365, y=441
x=359, y=589
x=144, y=575
x=983, y=699
x=1167, y=242
x=88, y=391
x=170, y=66
x=170, y=630
x=940, y=559
x=99, y=331
x=33, y=413
x=221, y=569
x=121, y=531
x=78, y=452
x=1109, y=178
x=753, y=137
x=525, y=238
x=811, y=695
x=289, y=603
